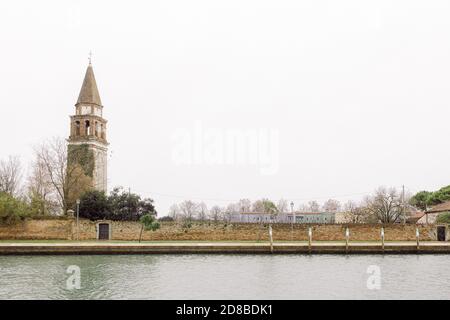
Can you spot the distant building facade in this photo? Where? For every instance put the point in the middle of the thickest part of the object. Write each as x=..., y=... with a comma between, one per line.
x=313, y=217
x=283, y=217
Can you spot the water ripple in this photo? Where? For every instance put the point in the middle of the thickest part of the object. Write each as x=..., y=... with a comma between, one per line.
x=225, y=277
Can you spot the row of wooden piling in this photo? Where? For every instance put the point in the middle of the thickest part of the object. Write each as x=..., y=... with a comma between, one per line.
x=347, y=238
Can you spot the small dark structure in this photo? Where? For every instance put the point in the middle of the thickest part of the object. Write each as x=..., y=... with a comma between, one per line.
x=441, y=233
x=103, y=230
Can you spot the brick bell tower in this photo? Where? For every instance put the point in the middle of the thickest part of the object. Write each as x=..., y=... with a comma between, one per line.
x=88, y=131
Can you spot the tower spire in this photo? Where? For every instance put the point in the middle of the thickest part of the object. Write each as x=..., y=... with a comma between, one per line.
x=89, y=91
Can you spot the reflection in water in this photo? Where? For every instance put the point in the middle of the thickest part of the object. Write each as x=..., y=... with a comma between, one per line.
x=225, y=277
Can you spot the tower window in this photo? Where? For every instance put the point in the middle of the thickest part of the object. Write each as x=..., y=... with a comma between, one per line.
x=87, y=127
x=97, y=129
x=77, y=128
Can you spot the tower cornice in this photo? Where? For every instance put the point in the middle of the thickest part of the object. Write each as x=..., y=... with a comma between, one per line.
x=88, y=116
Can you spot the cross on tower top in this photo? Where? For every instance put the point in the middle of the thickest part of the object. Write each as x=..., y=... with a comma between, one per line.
x=90, y=57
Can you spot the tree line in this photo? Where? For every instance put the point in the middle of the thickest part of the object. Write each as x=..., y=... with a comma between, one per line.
x=59, y=175
x=384, y=205
x=119, y=205
x=426, y=199
x=55, y=179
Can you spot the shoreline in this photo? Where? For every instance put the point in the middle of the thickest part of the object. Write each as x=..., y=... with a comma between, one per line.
x=105, y=248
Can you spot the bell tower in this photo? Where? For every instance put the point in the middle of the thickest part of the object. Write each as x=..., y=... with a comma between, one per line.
x=88, y=131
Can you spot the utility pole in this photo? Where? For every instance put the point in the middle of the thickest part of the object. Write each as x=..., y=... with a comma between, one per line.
x=403, y=204
x=293, y=220
x=129, y=202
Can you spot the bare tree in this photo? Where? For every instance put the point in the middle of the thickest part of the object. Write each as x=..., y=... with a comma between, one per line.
x=282, y=205
x=188, y=209
x=40, y=190
x=216, y=213
x=231, y=209
x=10, y=175
x=65, y=173
x=314, y=206
x=174, y=212
x=331, y=205
x=202, y=211
x=355, y=213
x=245, y=205
x=385, y=205
x=264, y=206
x=303, y=207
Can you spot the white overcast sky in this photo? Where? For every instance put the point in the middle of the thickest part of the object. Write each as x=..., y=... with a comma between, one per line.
x=356, y=92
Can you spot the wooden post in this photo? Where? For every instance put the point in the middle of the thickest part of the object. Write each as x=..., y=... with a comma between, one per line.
x=382, y=238
x=271, y=238
x=347, y=237
x=292, y=229
x=140, y=234
x=417, y=238
x=309, y=239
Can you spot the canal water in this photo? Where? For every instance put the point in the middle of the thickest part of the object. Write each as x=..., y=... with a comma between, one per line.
x=225, y=277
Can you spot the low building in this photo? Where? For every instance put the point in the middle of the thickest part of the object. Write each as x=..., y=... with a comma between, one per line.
x=315, y=217
x=252, y=217
x=415, y=218
x=283, y=217
x=431, y=215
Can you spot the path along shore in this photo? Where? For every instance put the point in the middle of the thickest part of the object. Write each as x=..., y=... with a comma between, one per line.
x=57, y=248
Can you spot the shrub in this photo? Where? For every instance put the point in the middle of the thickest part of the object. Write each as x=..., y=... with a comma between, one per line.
x=94, y=205
x=443, y=218
x=12, y=209
x=118, y=206
x=149, y=223
x=129, y=206
x=186, y=224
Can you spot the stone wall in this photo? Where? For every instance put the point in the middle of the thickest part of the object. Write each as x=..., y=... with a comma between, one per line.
x=65, y=229
x=41, y=229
